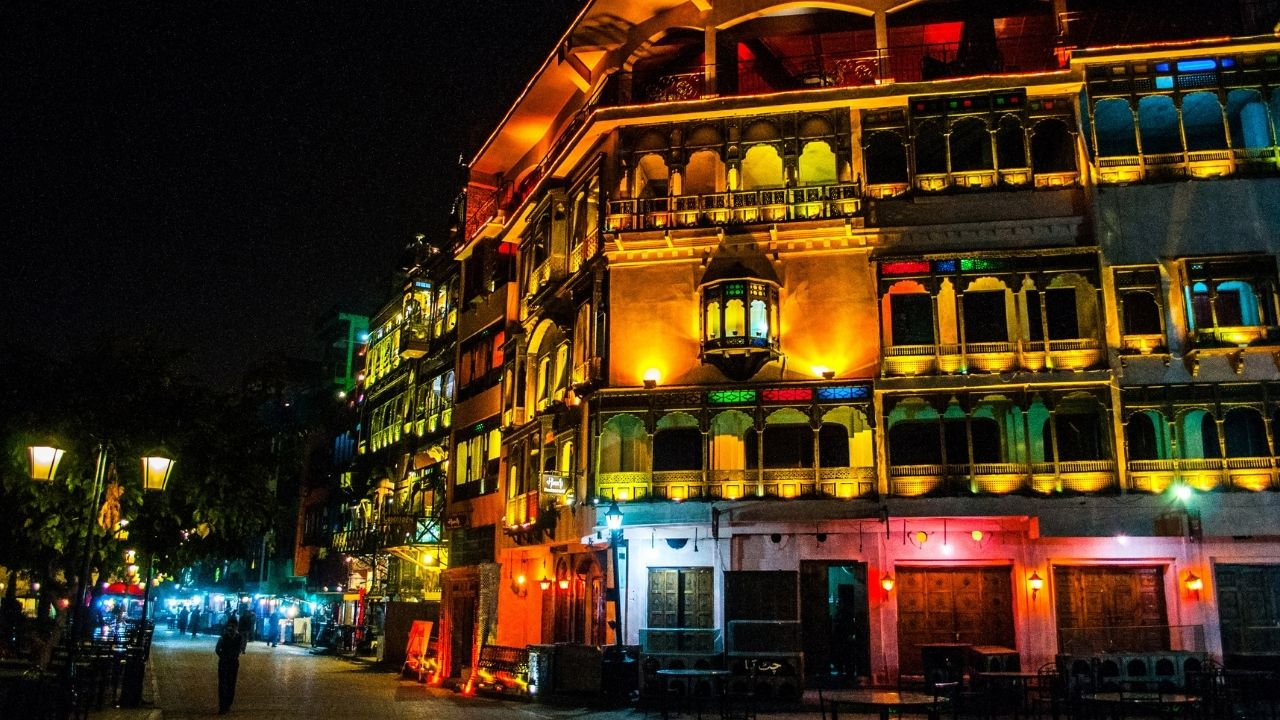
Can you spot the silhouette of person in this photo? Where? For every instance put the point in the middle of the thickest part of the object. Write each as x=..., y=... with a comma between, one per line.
x=228, y=649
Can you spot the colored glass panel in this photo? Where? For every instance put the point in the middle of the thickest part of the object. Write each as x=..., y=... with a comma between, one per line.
x=844, y=392
x=723, y=397
x=1199, y=65
x=944, y=266
x=787, y=394
x=905, y=267
x=970, y=264
x=1164, y=82
x=734, y=290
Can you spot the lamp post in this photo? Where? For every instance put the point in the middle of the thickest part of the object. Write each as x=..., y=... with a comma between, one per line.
x=613, y=521
x=44, y=461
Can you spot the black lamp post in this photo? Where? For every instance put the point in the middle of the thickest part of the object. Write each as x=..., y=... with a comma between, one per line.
x=44, y=461
x=613, y=521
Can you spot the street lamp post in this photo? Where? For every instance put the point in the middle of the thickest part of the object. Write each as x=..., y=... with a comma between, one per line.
x=44, y=467
x=613, y=521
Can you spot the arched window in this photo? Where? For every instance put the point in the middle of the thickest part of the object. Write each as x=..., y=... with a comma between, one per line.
x=845, y=439
x=1158, y=125
x=984, y=316
x=762, y=168
x=677, y=443
x=1236, y=304
x=1081, y=432
x=734, y=318
x=624, y=445
x=1199, y=304
x=1140, y=437
x=1202, y=122
x=1141, y=313
x=970, y=145
x=1113, y=123
x=730, y=433
x=1245, y=433
x=1247, y=119
x=759, y=319
x=651, y=177
x=914, y=443
x=713, y=319
x=885, y=158
x=1011, y=143
x=931, y=149
x=984, y=435
x=788, y=440
x=704, y=174
x=1052, y=148
x=817, y=164
x=1199, y=435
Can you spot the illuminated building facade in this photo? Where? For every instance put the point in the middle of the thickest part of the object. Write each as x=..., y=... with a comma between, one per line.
x=885, y=324
x=384, y=523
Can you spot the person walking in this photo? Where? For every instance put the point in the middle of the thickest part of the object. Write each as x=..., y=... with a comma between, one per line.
x=184, y=617
x=196, y=616
x=247, y=620
x=273, y=627
x=228, y=649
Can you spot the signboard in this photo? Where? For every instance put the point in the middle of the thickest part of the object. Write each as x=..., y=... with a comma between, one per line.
x=457, y=521
x=555, y=484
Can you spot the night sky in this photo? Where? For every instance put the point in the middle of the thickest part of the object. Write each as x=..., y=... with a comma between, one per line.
x=218, y=176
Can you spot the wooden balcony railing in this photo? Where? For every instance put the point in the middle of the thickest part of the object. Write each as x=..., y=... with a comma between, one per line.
x=1034, y=355
x=742, y=206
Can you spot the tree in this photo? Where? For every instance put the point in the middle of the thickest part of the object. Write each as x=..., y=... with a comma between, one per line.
x=127, y=397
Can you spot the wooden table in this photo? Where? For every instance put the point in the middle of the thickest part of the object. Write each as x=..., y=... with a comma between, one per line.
x=1162, y=702
x=883, y=702
x=717, y=678
x=1016, y=680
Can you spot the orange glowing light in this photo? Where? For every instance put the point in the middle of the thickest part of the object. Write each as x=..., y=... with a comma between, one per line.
x=563, y=583
x=977, y=536
x=1194, y=583
x=887, y=583
x=1036, y=583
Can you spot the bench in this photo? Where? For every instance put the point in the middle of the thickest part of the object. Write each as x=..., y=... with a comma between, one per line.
x=503, y=669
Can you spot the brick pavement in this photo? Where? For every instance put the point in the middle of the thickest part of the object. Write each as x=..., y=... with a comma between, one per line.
x=287, y=682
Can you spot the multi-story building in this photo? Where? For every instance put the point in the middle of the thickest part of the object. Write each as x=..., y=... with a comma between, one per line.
x=384, y=523
x=885, y=324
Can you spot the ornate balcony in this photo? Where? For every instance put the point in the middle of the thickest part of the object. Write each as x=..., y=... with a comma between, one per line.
x=1203, y=474
x=743, y=206
x=415, y=340
x=1077, y=354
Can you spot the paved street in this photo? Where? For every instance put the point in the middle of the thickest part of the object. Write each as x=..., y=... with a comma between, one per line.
x=288, y=682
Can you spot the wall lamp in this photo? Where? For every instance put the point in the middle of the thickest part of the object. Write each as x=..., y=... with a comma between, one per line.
x=1036, y=583
x=651, y=378
x=1193, y=583
x=887, y=582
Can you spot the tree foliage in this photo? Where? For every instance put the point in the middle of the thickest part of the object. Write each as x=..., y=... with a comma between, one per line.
x=127, y=400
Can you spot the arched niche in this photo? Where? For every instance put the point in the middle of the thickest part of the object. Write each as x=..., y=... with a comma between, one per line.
x=845, y=439
x=1158, y=125
x=1244, y=433
x=817, y=164
x=704, y=136
x=729, y=437
x=1202, y=122
x=1071, y=306
x=762, y=168
x=1052, y=147
x=988, y=311
x=704, y=173
x=1198, y=434
x=1081, y=431
x=787, y=439
x=907, y=313
x=1140, y=313
x=624, y=446
x=1247, y=119
x=651, y=176
x=970, y=145
x=1146, y=436
x=1113, y=125
x=677, y=443
x=761, y=131
x=885, y=158
x=1011, y=143
x=931, y=148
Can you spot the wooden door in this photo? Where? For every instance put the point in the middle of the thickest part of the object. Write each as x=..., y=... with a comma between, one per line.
x=949, y=605
x=1110, y=608
x=1249, y=607
x=834, y=619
